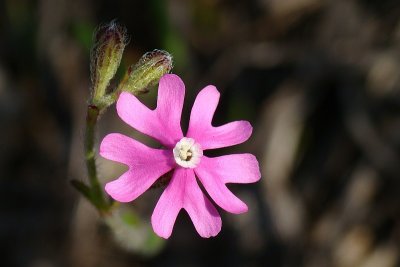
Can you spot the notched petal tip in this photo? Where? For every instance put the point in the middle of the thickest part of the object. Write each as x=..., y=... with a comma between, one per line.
x=161, y=123
x=230, y=134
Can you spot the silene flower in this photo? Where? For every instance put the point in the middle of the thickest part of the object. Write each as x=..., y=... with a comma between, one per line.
x=183, y=155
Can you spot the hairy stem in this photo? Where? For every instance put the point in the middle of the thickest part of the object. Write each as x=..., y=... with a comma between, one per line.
x=96, y=192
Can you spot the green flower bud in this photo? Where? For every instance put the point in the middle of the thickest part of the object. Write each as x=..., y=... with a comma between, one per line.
x=110, y=41
x=147, y=72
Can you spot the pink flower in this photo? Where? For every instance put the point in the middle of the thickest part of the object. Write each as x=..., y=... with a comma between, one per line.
x=183, y=154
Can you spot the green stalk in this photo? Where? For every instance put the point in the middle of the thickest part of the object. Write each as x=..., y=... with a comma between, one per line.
x=96, y=193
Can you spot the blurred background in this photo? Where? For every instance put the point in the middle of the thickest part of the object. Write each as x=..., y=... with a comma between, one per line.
x=318, y=79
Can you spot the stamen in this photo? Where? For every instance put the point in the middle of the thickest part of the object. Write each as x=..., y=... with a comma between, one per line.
x=187, y=153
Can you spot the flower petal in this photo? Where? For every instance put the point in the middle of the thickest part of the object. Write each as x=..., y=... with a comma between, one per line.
x=229, y=134
x=168, y=207
x=184, y=192
x=145, y=164
x=218, y=191
x=203, y=109
x=215, y=172
x=204, y=216
x=171, y=94
x=235, y=168
x=163, y=123
x=201, y=130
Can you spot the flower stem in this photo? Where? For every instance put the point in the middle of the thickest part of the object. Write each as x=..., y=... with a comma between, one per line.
x=96, y=193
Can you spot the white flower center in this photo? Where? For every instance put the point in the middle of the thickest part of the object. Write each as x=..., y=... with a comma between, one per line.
x=187, y=153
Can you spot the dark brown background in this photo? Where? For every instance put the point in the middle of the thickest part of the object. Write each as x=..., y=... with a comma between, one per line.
x=318, y=79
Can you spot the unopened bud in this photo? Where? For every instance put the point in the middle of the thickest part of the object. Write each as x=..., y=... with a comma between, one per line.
x=147, y=72
x=110, y=41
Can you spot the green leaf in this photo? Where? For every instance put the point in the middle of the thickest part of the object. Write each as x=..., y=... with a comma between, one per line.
x=82, y=188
